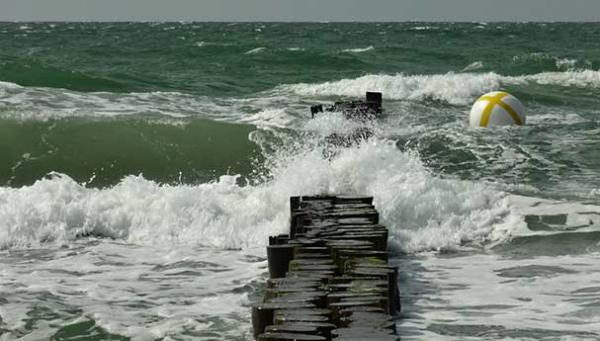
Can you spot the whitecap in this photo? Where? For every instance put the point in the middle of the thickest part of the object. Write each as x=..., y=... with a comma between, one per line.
x=359, y=50
x=424, y=28
x=256, y=50
x=453, y=88
x=473, y=66
x=565, y=63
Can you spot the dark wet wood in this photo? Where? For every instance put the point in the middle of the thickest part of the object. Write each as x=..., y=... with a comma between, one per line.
x=329, y=277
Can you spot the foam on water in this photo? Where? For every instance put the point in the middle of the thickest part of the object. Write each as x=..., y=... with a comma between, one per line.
x=454, y=88
x=179, y=261
x=337, y=123
x=473, y=66
x=6, y=88
x=540, y=298
x=359, y=50
x=422, y=211
x=269, y=118
x=174, y=267
x=535, y=216
x=566, y=63
x=583, y=78
x=424, y=28
x=221, y=214
x=256, y=50
x=554, y=117
x=42, y=104
x=33, y=103
x=144, y=292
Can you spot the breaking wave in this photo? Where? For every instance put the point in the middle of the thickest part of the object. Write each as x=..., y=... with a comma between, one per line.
x=459, y=89
x=256, y=50
x=359, y=50
x=422, y=211
x=453, y=88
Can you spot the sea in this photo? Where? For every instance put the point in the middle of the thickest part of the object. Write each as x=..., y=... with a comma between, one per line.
x=144, y=165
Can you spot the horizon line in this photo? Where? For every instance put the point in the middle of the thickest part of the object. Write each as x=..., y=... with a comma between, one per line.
x=307, y=21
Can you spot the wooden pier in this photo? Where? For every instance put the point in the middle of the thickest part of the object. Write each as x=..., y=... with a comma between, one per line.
x=329, y=277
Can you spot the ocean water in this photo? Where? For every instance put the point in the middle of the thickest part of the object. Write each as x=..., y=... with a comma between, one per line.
x=143, y=167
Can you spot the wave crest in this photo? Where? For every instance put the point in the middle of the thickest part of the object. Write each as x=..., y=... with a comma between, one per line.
x=453, y=88
x=359, y=50
x=422, y=211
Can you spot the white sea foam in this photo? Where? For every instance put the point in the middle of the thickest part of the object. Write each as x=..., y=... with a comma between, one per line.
x=464, y=292
x=473, y=66
x=256, y=50
x=424, y=28
x=583, y=78
x=38, y=103
x=32, y=103
x=454, y=88
x=144, y=292
x=208, y=43
x=148, y=288
x=578, y=217
x=556, y=118
x=275, y=117
x=336, y=123
x=7, y=88
x=139, y=211
x=565, y=63
x=359, y=50
x=421, y=210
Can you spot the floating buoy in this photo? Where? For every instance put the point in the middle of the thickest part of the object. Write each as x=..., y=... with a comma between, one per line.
x=497, y=108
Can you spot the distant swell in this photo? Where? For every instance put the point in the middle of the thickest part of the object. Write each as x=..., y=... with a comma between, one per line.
x=28, y=72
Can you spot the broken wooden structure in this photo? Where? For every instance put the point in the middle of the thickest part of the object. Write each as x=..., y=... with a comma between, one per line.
x=329, y=277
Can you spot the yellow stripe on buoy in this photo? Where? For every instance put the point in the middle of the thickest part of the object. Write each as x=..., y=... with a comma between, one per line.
x=492, y=102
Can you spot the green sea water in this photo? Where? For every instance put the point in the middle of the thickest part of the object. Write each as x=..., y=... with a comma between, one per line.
x=143, y=166
x=186, y=72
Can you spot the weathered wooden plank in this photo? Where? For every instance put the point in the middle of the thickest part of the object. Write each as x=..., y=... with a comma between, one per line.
x=329, y=277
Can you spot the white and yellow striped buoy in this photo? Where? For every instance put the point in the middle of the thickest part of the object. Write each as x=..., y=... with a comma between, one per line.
x=497, y=109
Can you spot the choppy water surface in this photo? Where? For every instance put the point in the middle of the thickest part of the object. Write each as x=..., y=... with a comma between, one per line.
x=143, y=166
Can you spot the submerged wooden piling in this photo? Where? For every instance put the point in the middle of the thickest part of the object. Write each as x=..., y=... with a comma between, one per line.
x=329, y=277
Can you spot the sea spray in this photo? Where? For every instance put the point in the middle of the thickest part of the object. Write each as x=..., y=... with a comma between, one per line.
x=422, y=211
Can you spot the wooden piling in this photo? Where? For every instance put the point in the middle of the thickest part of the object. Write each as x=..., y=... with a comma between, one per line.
x=329, y=277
